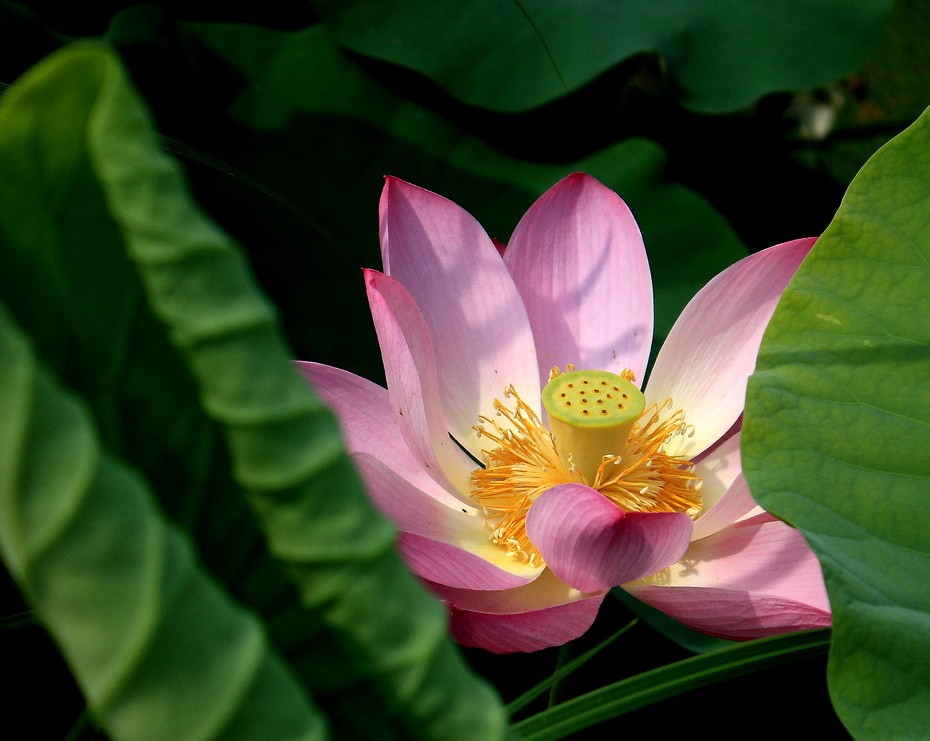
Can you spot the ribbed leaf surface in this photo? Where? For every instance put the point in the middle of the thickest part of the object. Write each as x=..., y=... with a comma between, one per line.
x=361, y=634
x=836, y=434
x=157, y=646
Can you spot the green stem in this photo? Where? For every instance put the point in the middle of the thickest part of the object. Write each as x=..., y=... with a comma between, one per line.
x=562, y=672
x=667, y=681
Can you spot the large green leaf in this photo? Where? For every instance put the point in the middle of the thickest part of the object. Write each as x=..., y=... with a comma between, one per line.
x=836, y=434
x=513, y=55
x=68, y=282
x=387, y=636
x=158, y=648
x=367, y=634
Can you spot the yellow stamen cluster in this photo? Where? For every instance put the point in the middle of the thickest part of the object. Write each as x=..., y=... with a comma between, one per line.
x=644, y=478
x=522, y=466
x=523, y=460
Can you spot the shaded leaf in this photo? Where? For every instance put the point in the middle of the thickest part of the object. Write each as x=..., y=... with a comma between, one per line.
x=369, y=636
x=511, y=56
x=301, y=89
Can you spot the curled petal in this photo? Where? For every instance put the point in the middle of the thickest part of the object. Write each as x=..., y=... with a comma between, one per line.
x=469, y=302
x=578, y=259
x=591, y=544
x=442, y=539
x=541, y=614
x=413, y=383
x=711, y=351
x=753, y=579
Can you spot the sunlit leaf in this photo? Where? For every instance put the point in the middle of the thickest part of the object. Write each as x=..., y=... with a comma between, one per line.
x=68, y=282
x=387, y=633
x=836, y=434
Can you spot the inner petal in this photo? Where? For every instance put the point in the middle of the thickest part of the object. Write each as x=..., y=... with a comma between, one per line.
x=474, y=314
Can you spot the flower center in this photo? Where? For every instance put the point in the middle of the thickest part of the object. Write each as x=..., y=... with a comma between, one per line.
x=601, y=435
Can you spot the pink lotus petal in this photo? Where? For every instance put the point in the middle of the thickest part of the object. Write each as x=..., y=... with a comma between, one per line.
x=404, y=492
x=591, y=544
x=755, y=578
x=718, y=467
x=524, y=631
x=733, y=614
x=449, y=540
x=475, y=315
x=578, y=259
x=711, y=351
x=454, y=321
x=444, y=563
x=725, y=495
x=736, y=503
x=362, y=408
x=542, y=614
x=413, y=385
x=369, y=424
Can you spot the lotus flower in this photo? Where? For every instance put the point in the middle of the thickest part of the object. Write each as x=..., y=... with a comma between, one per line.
x=526, y=472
